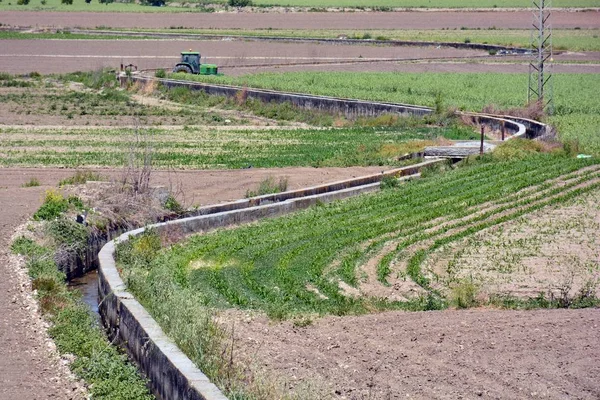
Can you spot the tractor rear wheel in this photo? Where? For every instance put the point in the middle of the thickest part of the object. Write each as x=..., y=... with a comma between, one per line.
x=183, y=69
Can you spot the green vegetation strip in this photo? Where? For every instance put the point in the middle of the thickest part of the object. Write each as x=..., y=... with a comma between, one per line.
x=74, y=328
x=275, y=265
x=199, y=147
x=315, y=5
x=577, y=106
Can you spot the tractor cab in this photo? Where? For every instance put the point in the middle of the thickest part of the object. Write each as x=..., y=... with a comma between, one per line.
x=190, y=64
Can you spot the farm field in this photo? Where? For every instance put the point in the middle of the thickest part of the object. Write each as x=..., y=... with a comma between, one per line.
x=475, y=280
x=263, y=5
x=572, y=40
x=79, y=126
x=201, y=148
x=304, y=20
x=563, y=39
x=375, y=253
x=576, y=106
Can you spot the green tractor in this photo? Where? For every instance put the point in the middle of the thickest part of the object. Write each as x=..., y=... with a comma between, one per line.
x=190, y=64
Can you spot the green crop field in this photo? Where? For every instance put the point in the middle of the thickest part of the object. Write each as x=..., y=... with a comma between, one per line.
x=424, y=3
x=577, y=105
x=208, y=5
x=294, y=265
x=205, y=148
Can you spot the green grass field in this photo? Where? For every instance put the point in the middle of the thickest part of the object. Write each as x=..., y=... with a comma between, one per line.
x=204, y=5
x=577, y=105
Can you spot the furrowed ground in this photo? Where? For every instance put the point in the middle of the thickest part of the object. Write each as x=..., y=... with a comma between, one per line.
x=563, y=39
x=368, y=253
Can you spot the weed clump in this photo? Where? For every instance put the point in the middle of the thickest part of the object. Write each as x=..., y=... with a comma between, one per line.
x=464, y=295
x=80, y=178
x=268, y=186
x=389, y=182
x=140, y=250
x=32, y=183
x=517, y=149
x=54, y=205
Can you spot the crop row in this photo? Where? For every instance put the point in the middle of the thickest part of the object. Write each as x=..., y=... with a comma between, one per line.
x=205, y=148
x=278, y=265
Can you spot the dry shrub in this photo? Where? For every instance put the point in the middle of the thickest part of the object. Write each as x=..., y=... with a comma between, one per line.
x=150, y=87
x=534, y=110
x=241, y=96
x=171, y=234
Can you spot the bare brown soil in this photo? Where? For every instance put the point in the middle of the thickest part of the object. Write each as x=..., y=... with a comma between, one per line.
x=29, y=368
x=68, y=56
x=481, y=353
x=313, y=20
x=238, y=57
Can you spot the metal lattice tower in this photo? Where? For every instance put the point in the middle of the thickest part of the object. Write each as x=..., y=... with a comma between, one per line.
x=540, y=67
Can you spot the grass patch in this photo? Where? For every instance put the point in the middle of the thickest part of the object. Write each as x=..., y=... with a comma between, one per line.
x=268, y=186
x=269, y=265
x=81, y=177
x=33, y=182
x=107, y=372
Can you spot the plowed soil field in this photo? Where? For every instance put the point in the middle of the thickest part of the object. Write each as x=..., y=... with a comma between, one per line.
x=313, y=20
x=244, y=57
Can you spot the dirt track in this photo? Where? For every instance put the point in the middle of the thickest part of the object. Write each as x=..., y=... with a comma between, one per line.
x=381, y=20
x=242, y=57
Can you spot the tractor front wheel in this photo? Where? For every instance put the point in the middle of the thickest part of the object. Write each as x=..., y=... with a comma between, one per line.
x=183, y=69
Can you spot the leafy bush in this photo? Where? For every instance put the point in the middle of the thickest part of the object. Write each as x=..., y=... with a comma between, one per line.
x=464, y=295
x=160, y=73
x=68, y=233
x=172, y=204
x=54, y=205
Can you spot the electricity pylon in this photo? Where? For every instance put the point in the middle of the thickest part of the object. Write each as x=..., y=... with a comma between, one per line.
x=540, y=67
